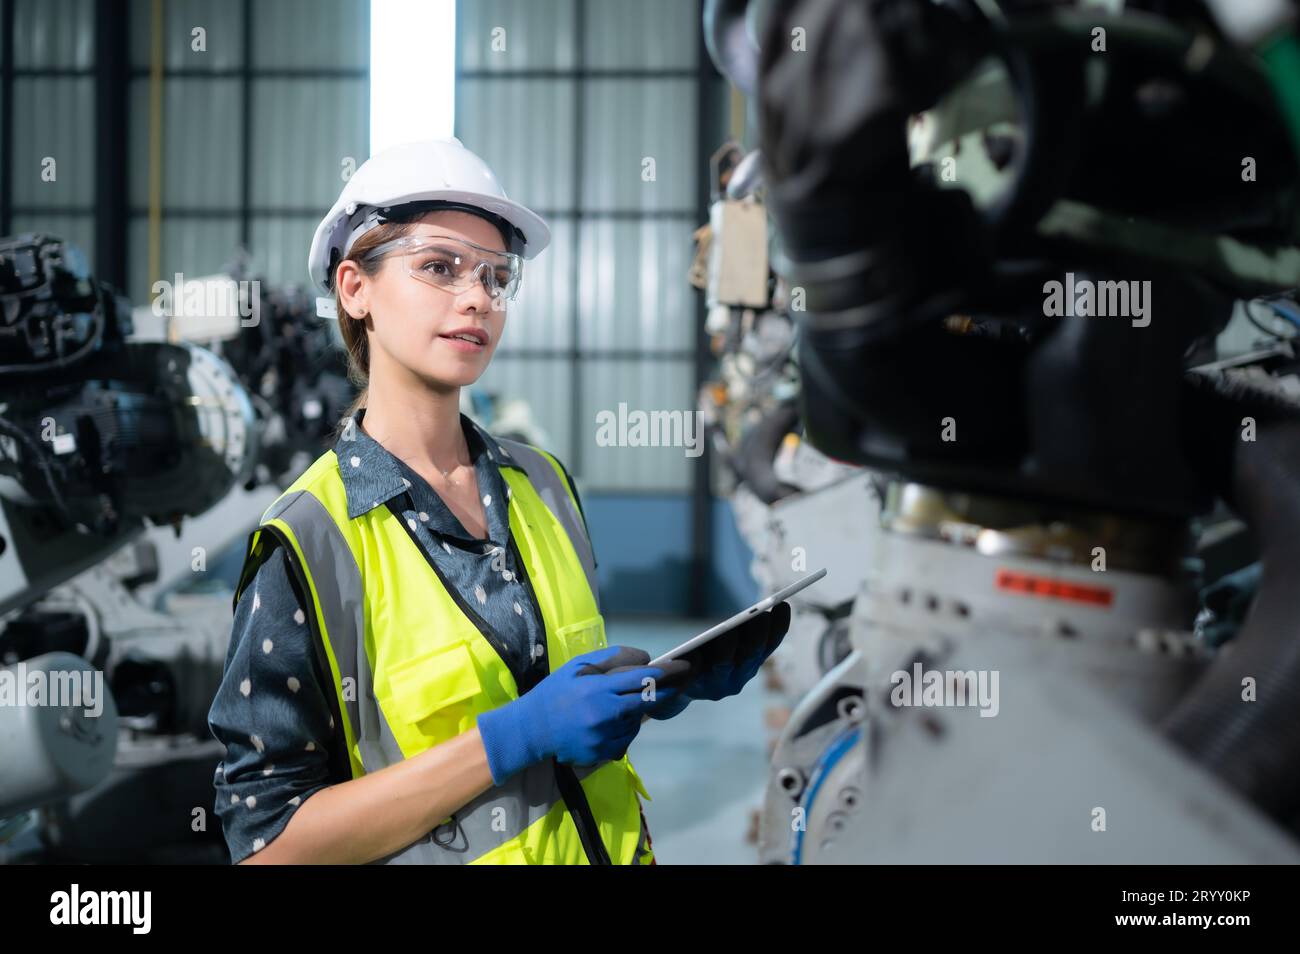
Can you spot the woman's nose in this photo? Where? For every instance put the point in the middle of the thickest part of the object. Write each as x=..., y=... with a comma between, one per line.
x=476, y=296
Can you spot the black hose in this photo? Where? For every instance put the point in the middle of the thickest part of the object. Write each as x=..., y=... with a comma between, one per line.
x=757, y=453
x=729, y=45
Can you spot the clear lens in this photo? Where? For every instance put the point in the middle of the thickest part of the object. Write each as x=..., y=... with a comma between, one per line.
x=454, y=265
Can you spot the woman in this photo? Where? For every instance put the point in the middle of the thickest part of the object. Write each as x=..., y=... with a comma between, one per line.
x=418, y=670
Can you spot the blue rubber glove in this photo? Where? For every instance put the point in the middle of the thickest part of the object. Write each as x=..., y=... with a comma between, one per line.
x=667, y=708
x=722, y=667
x=578, y=714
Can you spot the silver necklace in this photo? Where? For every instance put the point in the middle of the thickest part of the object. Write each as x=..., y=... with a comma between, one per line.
x=447, y=475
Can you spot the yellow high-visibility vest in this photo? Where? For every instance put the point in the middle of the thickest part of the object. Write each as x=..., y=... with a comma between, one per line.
x=413, y=665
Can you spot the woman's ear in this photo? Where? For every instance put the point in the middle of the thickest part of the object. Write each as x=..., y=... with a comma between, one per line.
x=353, y=288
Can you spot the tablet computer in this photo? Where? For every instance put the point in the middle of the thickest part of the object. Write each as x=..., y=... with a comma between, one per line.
x=762, y=606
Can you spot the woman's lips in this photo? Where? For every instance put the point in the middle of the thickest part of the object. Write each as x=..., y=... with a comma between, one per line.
x=460, y=344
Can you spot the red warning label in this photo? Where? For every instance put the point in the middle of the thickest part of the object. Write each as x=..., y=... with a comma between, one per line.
x=1031, y=585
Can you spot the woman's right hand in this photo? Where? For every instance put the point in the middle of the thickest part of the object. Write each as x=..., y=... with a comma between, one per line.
x=579, y=714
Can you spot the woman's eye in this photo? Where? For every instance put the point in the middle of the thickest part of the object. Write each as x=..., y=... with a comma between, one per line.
x=437, y=266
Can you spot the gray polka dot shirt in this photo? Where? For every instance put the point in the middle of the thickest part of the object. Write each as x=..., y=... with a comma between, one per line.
x=272, y=711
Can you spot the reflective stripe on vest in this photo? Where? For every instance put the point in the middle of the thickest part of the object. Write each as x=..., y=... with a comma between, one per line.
x=413, y=672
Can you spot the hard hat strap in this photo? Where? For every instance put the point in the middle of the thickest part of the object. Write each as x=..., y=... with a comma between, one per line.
x=361, y=221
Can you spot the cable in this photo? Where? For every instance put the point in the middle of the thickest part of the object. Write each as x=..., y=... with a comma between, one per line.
x=1285, y=311
x=42, y=463
x=1271, y=332
x=91, y=343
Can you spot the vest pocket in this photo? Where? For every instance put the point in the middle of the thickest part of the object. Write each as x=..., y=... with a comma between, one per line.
x=581, y=637
x=431, y=685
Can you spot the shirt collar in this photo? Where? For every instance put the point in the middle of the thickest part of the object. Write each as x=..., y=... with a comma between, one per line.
x=372, y=475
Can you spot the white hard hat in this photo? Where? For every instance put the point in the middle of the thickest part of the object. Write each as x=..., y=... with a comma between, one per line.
x=437, y=170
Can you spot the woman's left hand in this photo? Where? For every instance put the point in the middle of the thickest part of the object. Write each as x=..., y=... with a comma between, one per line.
x=722, y=667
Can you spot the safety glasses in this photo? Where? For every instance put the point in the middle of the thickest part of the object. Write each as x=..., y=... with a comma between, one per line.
x=454, y=265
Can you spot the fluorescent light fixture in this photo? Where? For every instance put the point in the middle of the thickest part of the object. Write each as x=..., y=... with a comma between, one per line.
x=412, y=71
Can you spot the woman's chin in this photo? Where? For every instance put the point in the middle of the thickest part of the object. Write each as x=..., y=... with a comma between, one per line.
x=452, y=374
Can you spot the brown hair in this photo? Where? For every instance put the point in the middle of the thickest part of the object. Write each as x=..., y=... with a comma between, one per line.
x=352, y=327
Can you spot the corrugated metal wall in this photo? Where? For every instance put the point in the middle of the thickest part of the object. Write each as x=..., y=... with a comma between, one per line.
x=254, y=128
x=52, y=128
x=566, y=100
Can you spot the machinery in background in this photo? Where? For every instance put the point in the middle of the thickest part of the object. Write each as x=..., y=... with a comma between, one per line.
x=101, y=437
x=1030, y=679
x=794, y=506
x=291, y=363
